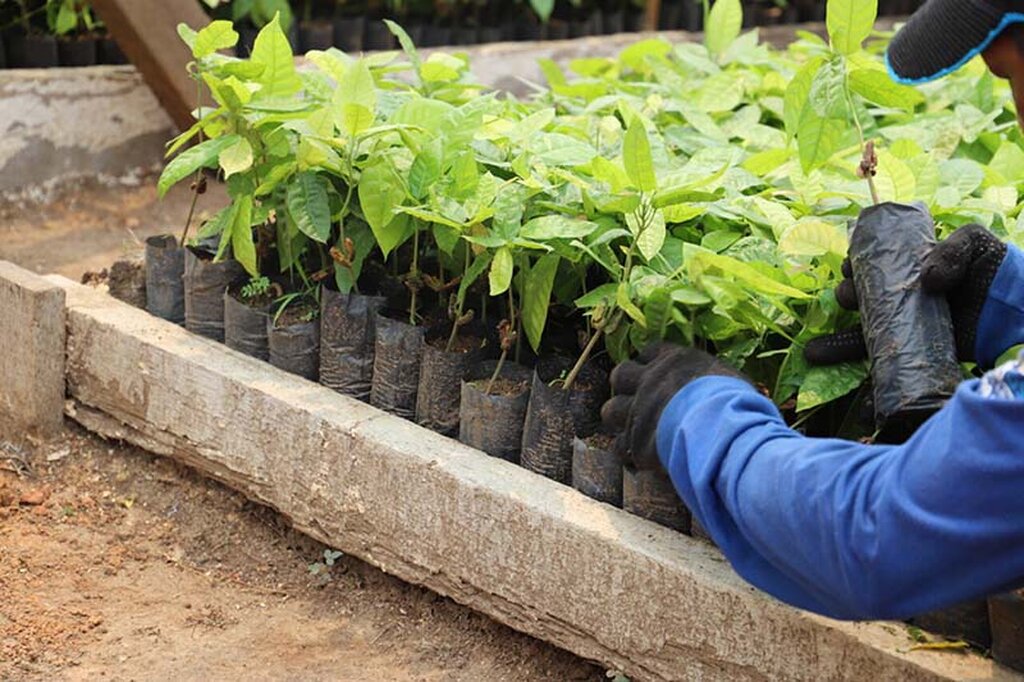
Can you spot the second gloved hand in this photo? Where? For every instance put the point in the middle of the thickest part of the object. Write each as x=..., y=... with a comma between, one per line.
x=962, y=268
x=642, y=389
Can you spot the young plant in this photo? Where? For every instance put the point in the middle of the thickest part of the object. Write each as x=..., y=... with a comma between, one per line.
x=256, y=288
x=67, y=16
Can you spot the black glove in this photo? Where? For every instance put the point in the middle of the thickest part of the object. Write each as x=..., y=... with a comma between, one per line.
x=641, y=390
x=961, y=267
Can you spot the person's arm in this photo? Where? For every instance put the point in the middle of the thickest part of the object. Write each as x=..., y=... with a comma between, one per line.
x=848, y=530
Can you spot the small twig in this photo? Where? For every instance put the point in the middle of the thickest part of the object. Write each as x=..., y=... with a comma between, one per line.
x=582, y=361
x=869, y=168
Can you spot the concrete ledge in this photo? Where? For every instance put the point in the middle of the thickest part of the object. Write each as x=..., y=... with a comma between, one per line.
x=31, y=353
x=57, y=125
x=529, y=552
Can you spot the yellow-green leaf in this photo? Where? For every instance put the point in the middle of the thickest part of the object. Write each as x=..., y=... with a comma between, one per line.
x=237, y=158
x=218, y=35
x=849, y=23
x=876, y=86
x=636, y=156
x=500, y=277
x=272, y=50
x=203, y=155
x=813, y=237
x=242, y=245
x=724, y=25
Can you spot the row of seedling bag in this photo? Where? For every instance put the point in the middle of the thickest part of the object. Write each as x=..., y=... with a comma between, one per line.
x=450, y=378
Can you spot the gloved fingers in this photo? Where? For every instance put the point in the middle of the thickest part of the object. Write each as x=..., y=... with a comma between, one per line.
x=946, y=265
x=645, y=455
x=846, y=295
x=615, y=412
x=844, y=346
x=626, y=378
x=847, y=269
x=620, y=447
x=653, y=351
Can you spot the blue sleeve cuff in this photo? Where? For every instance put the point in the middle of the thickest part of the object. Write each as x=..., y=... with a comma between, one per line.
x=693, y=394
x=1001, y=324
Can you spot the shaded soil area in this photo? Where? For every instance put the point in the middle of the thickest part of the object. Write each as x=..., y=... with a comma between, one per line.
x=120, y=565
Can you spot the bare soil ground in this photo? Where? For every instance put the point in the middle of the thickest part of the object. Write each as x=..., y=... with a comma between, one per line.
x=116, y=564
x=88, y=228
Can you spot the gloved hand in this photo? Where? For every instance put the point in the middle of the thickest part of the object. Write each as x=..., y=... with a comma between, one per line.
x=961, y=267
x=642, y=389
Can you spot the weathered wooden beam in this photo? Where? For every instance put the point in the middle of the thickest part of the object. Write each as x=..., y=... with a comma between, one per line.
x=146, y=30
x=652, y=14
x=531, y=553
x=31, y=353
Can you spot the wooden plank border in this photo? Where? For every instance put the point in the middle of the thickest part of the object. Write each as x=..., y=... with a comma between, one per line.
x=531, y=553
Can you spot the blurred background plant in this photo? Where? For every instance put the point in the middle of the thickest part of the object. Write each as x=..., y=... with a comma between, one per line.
x=32, y=31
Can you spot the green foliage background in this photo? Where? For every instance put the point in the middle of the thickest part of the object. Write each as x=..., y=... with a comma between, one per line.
x=699, y=193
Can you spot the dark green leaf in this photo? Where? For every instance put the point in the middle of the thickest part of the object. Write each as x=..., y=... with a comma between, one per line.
x=537, y=297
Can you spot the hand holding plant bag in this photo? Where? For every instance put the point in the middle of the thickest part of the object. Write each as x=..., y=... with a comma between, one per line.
x=642, y=388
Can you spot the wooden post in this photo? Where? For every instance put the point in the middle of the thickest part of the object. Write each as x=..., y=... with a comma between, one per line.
x=146, y=30
x=652, y=13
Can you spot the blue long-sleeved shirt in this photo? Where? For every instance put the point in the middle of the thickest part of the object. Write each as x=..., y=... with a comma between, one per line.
x=858, y=531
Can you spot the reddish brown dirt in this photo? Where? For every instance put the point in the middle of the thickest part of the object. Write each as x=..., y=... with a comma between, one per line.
x=118, y=564
x=87, y=229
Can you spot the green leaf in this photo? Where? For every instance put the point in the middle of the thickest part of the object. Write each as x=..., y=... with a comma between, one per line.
x=658, y=313
x=698, y=260
x=355, y=100
x=602, y=295
x=648, y=228
x=876, y=86
x=218, y=35
x=543, y=8
x=203, y=155
x=724, y=24
x=798, y=95
x=537, y=297
x=895, y=180
x=812, y=237
x=1008, y=161
x=556, y=227
x=379, y=196
x=237, y=158
x=500, y=277
x=273, y=51
x=309, y=206
x=66, y=20
x=828, y=90
x=242, y=246
x=636, y=157
x=188, y=35
x=720, y=240
x=635, y=56
x=557, y=149
x=625, y=302
x=819, y=139
x=687, y=295
x=825, y=384
x=225, y=227
x=424, y=173
x=473, y=273
x=849, y=23
x=405, y=41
